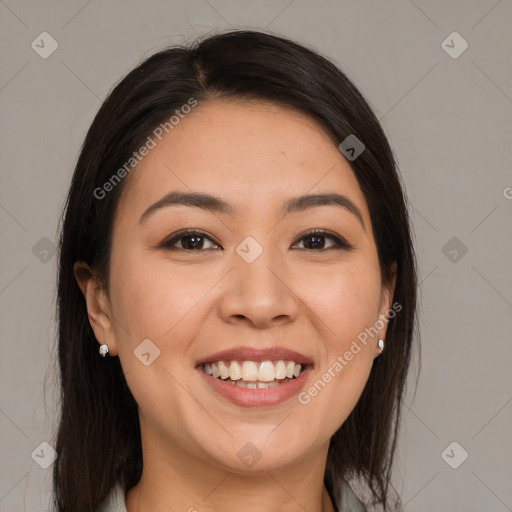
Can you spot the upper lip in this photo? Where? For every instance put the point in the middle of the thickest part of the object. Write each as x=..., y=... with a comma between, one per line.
x=257, y=355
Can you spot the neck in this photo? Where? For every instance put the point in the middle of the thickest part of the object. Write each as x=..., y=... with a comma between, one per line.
x=193, y=485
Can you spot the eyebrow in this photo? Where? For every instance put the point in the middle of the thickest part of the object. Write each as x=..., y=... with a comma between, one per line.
x=217, y=205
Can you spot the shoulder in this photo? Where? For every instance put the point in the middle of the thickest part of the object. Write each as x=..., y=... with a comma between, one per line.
x=349, y=502
x=115, y=501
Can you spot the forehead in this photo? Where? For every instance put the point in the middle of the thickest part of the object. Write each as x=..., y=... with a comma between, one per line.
x=246, y=151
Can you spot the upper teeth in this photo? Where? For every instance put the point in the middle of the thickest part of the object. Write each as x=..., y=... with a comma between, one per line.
x=250, y=371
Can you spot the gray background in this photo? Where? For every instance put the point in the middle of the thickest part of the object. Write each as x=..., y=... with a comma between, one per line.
x=449, y=122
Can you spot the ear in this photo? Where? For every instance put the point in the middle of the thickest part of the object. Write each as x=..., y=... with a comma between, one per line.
x=98, y=306
x=388, y=290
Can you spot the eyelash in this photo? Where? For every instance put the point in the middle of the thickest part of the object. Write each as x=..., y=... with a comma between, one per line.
x=339, y=242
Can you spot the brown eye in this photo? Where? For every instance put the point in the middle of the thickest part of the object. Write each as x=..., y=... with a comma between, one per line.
x=190, y=241
x=193, y=240
x=316, y=240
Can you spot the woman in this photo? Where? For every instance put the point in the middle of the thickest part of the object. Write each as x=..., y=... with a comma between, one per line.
x=236, y=291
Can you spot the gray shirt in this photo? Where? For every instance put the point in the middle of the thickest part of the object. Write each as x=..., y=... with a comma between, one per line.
x=115, y=502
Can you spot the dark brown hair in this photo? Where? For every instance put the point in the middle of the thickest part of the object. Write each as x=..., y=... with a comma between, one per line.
x=98, y=439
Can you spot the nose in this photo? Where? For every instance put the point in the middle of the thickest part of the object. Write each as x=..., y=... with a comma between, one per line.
x=259, y=293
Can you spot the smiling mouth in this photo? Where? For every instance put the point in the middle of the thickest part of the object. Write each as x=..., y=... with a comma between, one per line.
x=253, y=374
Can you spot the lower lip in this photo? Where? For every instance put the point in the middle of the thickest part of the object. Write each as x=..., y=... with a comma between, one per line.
x=256, y=397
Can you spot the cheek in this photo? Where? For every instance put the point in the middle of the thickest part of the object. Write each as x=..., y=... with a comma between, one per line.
x=346, y=303
x=346, y=298
x=153, y=297
x=335, y=392
x=163, y=306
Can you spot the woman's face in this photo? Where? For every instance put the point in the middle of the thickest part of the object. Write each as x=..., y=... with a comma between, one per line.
x=251, y=280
